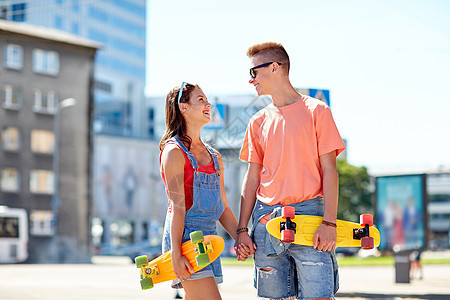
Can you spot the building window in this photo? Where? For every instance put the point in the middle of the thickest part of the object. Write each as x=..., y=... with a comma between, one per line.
x=98, y=14
x=45, y=103
x=49, y=102
x=12, y=96
x=58, y=22
x=41, y=181
x=41, y=222
x=18, y=12
x=37, y=99
x=42, y=141
x=4, y=11
x=11, y=138
x=103, y=86
x=75, y=28
x=10, y=180
x=45, y=62
x=13, y=56
x=76, y=5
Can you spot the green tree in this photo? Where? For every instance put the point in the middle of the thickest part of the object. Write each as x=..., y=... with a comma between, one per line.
x=355, y=197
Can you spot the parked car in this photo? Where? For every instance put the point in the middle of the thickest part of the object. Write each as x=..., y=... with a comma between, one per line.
x=143, y=248
x=347, y=251
x=132, y=250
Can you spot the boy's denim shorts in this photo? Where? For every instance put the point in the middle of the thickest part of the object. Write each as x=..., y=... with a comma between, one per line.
x=298, y=271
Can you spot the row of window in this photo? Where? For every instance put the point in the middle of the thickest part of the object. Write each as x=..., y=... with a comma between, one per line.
x=131, y=7
x=74, y=3
x=105, y=17
x=41, y=181
x=110, y=62
x=439, y=198
x=74, y=28
x=441, y=216
x=20, y=9
x=43, y=101
x=44, y=62
x=18, y=12
x=42, y=141
x=117, y=43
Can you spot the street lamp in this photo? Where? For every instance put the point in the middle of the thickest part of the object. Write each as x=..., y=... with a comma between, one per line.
x=56, y=203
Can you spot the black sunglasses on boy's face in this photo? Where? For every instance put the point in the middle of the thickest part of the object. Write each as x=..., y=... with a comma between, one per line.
x=252, y=70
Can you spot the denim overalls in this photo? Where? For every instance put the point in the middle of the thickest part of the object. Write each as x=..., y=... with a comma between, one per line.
x=206, y=209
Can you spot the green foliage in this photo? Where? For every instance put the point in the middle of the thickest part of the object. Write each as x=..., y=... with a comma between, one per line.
x=368, y=261
x=355, y=197
x=347, y=261
x=232, y=261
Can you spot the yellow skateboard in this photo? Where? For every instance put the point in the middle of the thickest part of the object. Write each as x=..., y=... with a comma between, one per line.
x=300, y=229
x=200, y=252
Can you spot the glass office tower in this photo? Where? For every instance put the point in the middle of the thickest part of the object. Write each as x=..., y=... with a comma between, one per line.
x=120, y=26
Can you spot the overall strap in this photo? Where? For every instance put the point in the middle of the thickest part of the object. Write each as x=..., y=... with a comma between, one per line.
x=215, y=157
x=189, y=154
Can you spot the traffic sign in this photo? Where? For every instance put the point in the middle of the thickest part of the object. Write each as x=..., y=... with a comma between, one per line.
x=217, y=117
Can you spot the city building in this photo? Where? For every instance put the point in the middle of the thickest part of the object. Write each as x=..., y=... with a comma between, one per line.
x=130, y=200
x=120, y=26
x=438, y=189
x=46, y=140
x=121, y=116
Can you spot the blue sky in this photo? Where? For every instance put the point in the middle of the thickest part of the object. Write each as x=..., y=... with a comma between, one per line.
x=386, y=64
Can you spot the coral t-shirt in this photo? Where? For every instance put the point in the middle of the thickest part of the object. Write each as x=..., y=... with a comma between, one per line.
x=188, y=178
x=287, y=141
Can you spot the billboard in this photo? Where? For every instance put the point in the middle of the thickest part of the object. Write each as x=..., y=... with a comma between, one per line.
x=127, y=184
x=320, y=94
x=401, y=212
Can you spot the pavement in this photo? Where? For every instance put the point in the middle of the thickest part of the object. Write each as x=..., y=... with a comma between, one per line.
x=379, y=283
x=118, y=278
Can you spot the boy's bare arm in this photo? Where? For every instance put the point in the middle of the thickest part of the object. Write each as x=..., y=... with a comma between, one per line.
x=248, y=199
x=326, y=236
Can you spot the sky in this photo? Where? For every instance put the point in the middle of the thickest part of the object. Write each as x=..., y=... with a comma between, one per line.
x=385, y=62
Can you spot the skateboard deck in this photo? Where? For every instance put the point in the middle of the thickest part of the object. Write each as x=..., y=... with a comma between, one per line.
x=349, y=234
x=200, y=252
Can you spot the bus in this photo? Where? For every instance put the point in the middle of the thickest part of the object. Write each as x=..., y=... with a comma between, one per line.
x=13, y=235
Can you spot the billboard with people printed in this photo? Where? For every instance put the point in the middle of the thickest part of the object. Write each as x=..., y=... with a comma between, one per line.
x=401, y=212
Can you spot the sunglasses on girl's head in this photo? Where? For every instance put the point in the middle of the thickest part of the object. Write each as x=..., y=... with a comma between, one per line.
x=252, y=70
x=180, y=93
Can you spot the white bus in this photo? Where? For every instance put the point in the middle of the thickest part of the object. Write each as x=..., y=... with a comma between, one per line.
x=13, y=235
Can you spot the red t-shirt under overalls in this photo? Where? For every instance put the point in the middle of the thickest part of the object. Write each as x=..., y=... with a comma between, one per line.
x=188, y=178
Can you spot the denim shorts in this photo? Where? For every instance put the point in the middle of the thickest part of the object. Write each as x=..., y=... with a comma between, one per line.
x=203, y=273
x=212, y=270
x=298, y=271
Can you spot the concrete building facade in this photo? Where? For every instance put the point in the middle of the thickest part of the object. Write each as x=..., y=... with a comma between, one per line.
x=40, y=69
x=120, y=116
x=120, y=26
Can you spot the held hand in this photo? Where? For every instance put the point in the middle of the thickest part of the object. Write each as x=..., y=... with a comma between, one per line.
x=243, y=252
x=244, y=246
x=182, y=267
x=325, y=238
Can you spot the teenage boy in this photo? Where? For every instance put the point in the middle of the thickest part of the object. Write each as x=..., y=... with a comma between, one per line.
x=291, y=147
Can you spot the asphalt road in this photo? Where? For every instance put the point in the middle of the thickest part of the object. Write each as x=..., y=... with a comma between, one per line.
x=119, y=279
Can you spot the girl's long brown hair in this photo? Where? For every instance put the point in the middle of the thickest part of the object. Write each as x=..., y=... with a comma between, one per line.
x=175, y=123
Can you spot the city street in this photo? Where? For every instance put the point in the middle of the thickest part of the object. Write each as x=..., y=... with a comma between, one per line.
x=117, y=278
